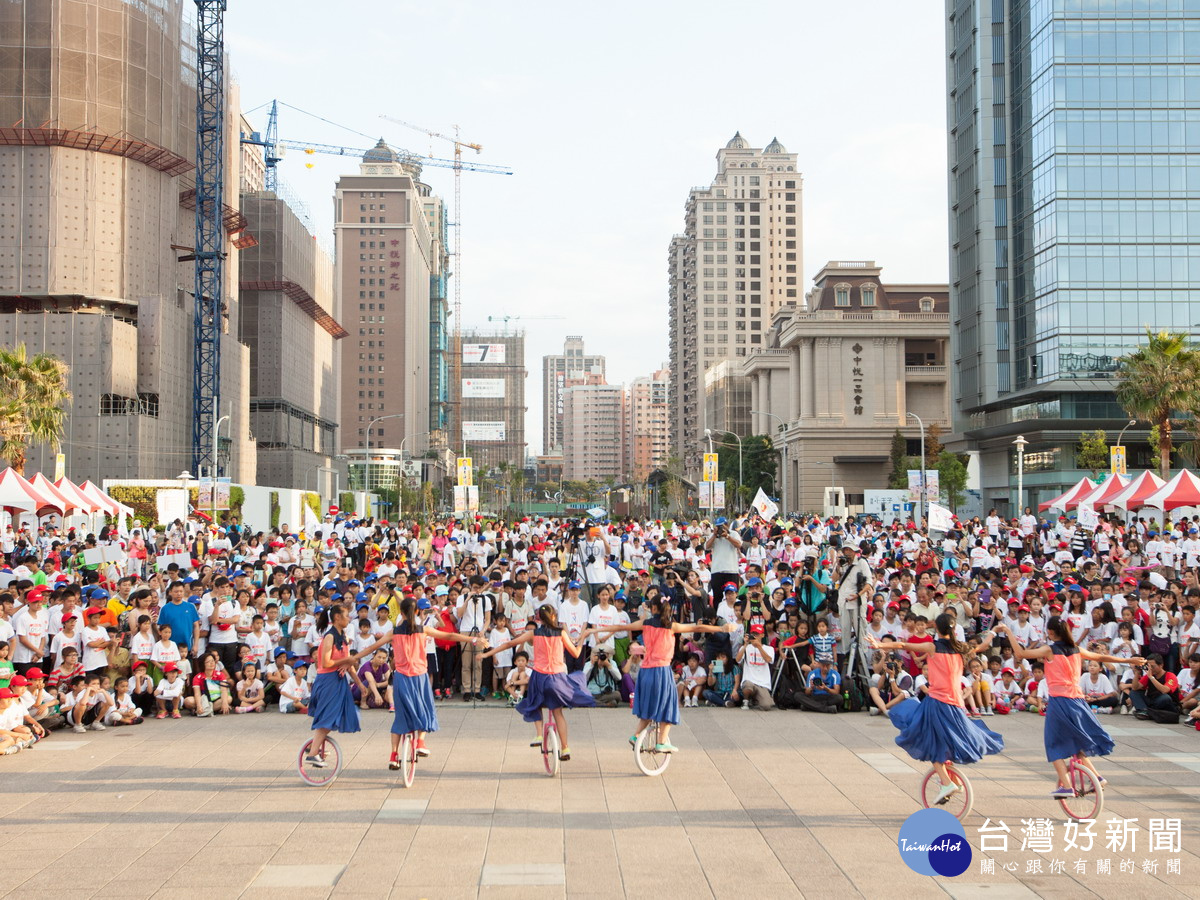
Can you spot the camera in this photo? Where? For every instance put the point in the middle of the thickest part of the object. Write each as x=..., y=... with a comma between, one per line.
x=602, y=655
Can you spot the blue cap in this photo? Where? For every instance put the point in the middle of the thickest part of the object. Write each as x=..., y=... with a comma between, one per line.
x=424, y=604
x=721, y=520
x=188, y=580
x=754, y=582
x=731, y=589
x=574, y=585
x=335, y=597
x=786, y=581
x=441, y=591
x=363, y=606
x=790, y=603
x=361, y=596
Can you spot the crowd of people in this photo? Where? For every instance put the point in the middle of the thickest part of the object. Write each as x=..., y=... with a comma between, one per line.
x=820, y=615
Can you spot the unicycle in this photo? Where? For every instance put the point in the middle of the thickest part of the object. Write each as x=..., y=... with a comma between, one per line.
x=1087, y=802
x=645, y=753
x=322, y=773
x=957, y=804
x=550, y=745
x=407, y=753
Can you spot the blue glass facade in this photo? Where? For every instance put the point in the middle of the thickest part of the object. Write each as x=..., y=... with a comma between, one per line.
x=1075, y=209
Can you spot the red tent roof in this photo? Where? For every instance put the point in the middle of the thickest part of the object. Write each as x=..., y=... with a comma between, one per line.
x=1070, y=499
x=16, y=494
x=1133, y=497
x=1182, y=490
x=1103, y=495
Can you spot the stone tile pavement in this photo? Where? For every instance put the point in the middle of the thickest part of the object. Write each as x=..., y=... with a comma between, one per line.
x=762, y=805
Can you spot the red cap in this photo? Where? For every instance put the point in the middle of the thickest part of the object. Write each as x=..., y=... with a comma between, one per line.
x=18, y=681
x=6, y=694
x=92, y=611
x=1008, y=671
x=1132, y=581
x=37, y=594
x=1025, y=570
x=34, y=673
x=1023, y=608
x=893, y=605
x=140, y=664
x=170, y=667
x=71, y=618
x=1056, y=606
x=1063, y=545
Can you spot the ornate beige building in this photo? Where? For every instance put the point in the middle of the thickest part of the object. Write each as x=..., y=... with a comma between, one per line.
x=842, y=372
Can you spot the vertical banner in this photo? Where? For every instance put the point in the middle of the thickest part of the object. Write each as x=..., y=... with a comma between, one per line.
x=710, y=467
x=705, y=493
x=473, y=498
x=1116, y=461
x=60, y=466
x=460, y=499
x=464, y=471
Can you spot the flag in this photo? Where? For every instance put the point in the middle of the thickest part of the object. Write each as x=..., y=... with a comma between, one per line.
x=311, y=523
x=940, y=518
x=764, y=505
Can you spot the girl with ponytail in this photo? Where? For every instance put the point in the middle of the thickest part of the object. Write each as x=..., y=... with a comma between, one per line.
x=937, y=729
x=412, y=694
x=655, y=698
x=331, y=705
x=551, y=687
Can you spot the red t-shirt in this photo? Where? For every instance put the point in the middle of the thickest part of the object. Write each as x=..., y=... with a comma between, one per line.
x=911, y=665
x=1167, y=679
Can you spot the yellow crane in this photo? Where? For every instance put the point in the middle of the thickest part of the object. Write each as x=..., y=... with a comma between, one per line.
x=456, y=353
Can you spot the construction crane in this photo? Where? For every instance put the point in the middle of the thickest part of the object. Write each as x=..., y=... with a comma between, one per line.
x=210, y=234
x=459, y=166
x=273, y=148
x=507, y=319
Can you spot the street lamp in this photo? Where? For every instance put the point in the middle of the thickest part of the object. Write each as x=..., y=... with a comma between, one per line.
x=367, y=461
x=1020, y=444
x=782, y=456
x=922, y=506
x=400, y=490
x=708, y=434
x=215, y=467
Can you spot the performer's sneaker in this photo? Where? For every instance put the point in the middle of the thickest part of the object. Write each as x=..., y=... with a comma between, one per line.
x=316, y=761
x=1062, y=792
x=421, y=750
x=947, y=791
x=394, y=761
x=665, y=748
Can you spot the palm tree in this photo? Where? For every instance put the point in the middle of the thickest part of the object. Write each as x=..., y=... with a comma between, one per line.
x=33, y=392
x=1162, y=375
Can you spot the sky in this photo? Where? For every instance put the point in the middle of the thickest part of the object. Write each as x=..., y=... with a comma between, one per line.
x=608, y=114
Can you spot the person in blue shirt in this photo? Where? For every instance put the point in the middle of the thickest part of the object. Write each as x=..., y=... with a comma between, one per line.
x=182, y=617
x=823, y=692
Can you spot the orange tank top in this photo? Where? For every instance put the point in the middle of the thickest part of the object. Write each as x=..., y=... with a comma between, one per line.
x=944, y=670
x=1063, y=670
x=548, y=651
x=408, y=651
x=660, y=644
x=334, y=654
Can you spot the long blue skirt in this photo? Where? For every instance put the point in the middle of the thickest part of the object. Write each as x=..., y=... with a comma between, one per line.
x=655, y=696
x=562, y=690
x=331, y=706
x=413, y=698
x=934, y=731
x=1072, y=727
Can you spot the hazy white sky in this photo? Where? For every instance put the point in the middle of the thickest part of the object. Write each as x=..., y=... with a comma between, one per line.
x=608, y=114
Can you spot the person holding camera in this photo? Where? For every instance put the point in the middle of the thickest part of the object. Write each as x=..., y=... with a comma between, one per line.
x=890, y=686
x=474, y=611
x=755, y=657
x=853, y=583
x=594, y=550
x=603, y=677
x=724, y=545
x=812, y=585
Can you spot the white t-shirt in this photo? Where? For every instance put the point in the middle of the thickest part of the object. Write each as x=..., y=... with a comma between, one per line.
x=756, y=666
x=32, y=626
x=260, y=648
x=94, y=658
x=61, y=642
x=574, y=618
x=1098, y=688
x=601, y=617
x=225, y=634
x=164, y=653
x=169, y=690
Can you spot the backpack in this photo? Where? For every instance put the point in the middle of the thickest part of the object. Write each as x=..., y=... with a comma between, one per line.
x=1163, y=716
x=788, y=692
x=854, y=693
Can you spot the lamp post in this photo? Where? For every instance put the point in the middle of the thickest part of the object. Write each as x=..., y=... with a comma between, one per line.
x=1020, y=444
x=215, y=467
x=367, y=461
x=1120, y=443
x=708, y=434
x=922, y=502
x=400, y=489
x=782, y=456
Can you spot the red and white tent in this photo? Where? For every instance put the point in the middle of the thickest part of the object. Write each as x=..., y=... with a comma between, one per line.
x=1070, y=499
x=48, y=503
x=103, y=502
x=1182, y=490
x=46, y=488
x=1134, y=496
x=1103, y=494
x=83, y=504
x=16, y=494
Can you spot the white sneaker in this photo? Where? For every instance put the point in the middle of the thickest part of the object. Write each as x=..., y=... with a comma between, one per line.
x=1124, y=710
x=945, y=793
x=873, y=711
x=989, y=712
x=745, y=704
x=97, y=726
x=78, y=728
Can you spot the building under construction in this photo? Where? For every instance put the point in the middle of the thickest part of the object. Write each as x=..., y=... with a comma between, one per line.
x=490, y=397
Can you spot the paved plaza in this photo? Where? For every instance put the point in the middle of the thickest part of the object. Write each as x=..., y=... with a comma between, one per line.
x=756, y=805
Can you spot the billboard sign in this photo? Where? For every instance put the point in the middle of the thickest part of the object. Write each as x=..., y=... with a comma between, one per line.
x=475, y=432
x=487, y=388
x=478, y=354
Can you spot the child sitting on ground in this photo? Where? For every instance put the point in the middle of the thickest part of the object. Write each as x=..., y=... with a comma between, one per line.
x=293, y=693
x=123, y=711
x=169, y=693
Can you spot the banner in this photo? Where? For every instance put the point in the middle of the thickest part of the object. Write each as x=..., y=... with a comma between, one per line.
x=465, y=472
x=1086, y=516
x=711, y=472
x=712, y=494
x=932, y=485
x=1116, y=461
x=488, y=388
x=172, y=504
x=460, y=499
x=483, y=431
x=473, y=498
x=479, y=354
x=60, y=466
x=940, y=518
x=764, y=505
x=181, y=558
x=311, y=523
x=206, y=494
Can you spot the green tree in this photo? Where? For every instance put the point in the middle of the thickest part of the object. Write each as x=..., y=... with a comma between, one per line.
x=933, y=445
x=1159, y=378
x=900, y=461
x=1091, y=452
x=33, y=394
x=952, y=477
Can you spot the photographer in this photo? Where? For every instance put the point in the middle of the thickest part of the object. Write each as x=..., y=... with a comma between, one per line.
x=823, y=692
x=755, y=658
x=602, y=677
x=1153, y=688
x=812, y=584
x=594, y=552
x=725, y=547
x=890, y=685
x=474, y=611
x=854, y=580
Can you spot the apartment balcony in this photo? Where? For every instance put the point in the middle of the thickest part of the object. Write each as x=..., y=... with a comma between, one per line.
x=934, y=374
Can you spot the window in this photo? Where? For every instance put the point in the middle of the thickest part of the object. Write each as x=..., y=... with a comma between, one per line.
x=926, y=304
x=868, y=294
x=841, y=295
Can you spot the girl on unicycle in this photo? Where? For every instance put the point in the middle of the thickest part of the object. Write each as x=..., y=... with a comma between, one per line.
x=937, y=729
x=1072, y=729
x=550, y=686
x=331, y=705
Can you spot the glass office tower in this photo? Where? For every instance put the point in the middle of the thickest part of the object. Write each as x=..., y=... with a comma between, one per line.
x=1074, y=154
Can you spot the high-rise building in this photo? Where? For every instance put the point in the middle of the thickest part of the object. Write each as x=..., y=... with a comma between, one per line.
x=647, y=424
x=739, y=260
x=593, y=432
x=491, y=397
x=1073, y=219
x=572, y=364
x=391, y=267
x=97, y=195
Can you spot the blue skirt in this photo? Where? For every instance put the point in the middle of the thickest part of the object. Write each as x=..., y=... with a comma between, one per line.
x=414, y=704
x=562, y=690
x=655, y=696
x=934, y=731
x=331, y=706
x=1072, y=727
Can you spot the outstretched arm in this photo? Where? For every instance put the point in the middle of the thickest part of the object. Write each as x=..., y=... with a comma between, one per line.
x=569, y=645
x=450, y=636
x=922, y=648
x=1117, y=660
x=522, y=638
x=679, y=628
